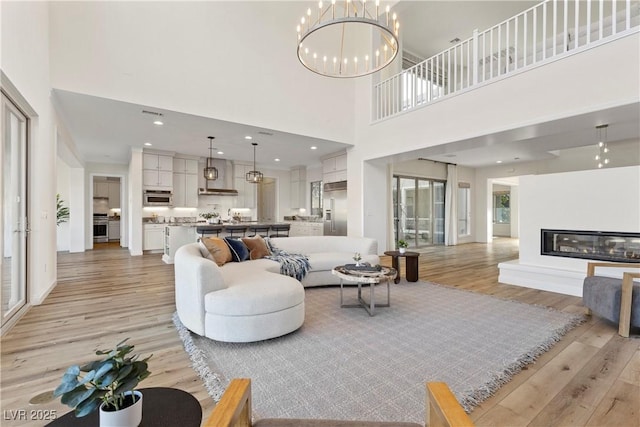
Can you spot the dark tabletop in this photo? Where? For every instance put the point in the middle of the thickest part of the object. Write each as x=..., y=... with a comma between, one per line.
x=161, y=407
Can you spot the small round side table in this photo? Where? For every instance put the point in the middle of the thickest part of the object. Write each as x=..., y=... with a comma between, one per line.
x=411, y=261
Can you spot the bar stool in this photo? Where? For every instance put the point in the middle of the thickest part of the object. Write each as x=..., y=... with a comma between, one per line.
x=281, y=230
x=236, y=231
x=261, y=230
x=209, y=229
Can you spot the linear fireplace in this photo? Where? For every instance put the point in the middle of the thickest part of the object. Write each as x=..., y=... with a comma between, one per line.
x=594, y=245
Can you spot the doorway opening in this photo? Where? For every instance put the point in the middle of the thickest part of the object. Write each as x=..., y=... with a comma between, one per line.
x=107, y=220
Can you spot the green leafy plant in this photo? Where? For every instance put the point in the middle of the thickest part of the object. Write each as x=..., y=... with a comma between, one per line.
x=105, y=380
x=402, y=244
x=209, y=215
x=62, y=212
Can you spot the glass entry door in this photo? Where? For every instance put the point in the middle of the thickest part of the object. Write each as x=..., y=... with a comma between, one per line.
x=418, y=206
x=13, y=227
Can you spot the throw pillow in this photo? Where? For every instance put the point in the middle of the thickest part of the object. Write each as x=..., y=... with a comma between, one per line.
x=257, y=247
x=217, y=249
x=239, y=251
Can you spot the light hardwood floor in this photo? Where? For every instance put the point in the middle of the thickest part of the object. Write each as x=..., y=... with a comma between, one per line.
x=591, y=377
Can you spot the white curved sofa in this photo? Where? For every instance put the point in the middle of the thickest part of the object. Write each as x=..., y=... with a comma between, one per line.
x=250, y=300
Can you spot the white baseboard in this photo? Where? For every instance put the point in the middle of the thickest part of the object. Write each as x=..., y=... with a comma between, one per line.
x=568, y=282
x=39, y=300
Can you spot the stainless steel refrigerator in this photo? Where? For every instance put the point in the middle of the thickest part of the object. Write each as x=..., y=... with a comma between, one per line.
x=335, y=208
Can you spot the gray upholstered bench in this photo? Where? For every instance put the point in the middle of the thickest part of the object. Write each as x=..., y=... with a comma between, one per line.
x=617, y=300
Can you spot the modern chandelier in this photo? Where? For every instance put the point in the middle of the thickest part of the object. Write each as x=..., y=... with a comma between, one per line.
x=348, y=38
x=210, y=171
x=603, y=155
x=254, y=176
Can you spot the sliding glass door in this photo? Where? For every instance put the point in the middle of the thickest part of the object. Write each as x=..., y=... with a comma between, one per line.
x=418, y=206
x=13, y=227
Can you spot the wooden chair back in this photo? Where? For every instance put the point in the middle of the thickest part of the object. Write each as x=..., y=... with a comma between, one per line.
x=234, y=408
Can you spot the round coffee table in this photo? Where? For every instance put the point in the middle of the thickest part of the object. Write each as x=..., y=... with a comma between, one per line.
x=372, y=278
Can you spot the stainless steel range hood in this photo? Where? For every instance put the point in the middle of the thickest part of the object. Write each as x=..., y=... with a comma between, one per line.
x=218, y=192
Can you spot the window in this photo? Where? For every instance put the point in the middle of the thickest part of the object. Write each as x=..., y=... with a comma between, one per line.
x=501, y=207
x=464, y=209
x=418, y=205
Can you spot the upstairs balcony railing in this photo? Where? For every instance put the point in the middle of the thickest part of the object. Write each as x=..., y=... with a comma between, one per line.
x=545, y=32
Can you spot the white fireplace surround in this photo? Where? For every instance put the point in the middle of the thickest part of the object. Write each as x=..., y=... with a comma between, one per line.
x=601, y=199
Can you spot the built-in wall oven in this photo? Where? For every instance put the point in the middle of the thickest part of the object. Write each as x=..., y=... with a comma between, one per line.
x=100, y=227
x=157, y=198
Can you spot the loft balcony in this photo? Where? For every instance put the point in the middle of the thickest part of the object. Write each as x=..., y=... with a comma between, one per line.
x=549, y=31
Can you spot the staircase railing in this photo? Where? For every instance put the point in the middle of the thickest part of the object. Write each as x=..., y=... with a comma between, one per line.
x=543, y=33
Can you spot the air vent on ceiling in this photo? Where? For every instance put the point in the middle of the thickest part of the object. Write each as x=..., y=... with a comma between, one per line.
x=153, y=113
x=265, y=133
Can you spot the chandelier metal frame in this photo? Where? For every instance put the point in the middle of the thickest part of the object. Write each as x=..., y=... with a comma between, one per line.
x=254, y=176
x=210, y=171
x=353, y=12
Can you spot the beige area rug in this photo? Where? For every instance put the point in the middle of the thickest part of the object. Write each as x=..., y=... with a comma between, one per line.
x=344, y=364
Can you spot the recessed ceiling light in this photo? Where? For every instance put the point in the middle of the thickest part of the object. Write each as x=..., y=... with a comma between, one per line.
x=498, y=161
x=248, y=137
x=148, y=144
x=276, y=160
x=158, y=122
x=314, y=147
x=220, y=152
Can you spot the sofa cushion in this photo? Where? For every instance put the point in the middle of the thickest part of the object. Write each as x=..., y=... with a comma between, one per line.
x=255, y=293
x=239, y=251
x=257, y=247
x=216, y=250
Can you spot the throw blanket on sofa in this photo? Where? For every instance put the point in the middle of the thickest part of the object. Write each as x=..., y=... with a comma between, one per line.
x=294, y=265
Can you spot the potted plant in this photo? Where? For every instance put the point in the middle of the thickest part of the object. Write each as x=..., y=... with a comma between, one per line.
x=62, y=211
x=211, y=217
x=357, y=258
x=108, y=383
x=402, y=246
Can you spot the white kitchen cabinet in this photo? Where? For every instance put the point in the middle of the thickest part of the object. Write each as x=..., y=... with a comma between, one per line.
x=157, y=172
x=303, y=228
x=185, y=165
x=114, y=195
x=334, y=169
x=246, y=191
x=101, y=189
x=185, y=183
x=176, y=236
x=114, y=230
x=153, y=237
x=298, y=186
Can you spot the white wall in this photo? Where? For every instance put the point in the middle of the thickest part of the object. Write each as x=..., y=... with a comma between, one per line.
x=596, y=200
x=557, y=91
x=229, y=60
x=25, y=61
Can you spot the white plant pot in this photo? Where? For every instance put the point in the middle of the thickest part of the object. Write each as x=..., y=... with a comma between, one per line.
x=402, y=250
x=127, y=417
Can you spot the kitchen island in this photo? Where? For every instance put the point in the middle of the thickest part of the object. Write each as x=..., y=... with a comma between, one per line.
x=178, y=234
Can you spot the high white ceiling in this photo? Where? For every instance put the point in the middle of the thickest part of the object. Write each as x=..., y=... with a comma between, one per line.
x=105, y=130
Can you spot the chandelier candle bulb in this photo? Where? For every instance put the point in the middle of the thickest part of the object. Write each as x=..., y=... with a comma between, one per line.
x=347, y=34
